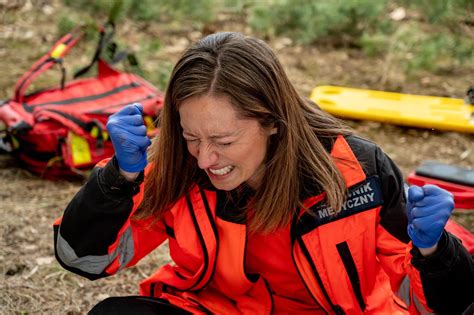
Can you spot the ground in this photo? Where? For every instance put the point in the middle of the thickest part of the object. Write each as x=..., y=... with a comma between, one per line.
x=31, y=279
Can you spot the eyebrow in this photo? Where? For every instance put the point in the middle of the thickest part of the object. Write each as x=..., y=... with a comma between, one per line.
x=215, y=136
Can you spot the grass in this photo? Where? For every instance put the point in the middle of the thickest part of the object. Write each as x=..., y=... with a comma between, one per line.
x=32, y=281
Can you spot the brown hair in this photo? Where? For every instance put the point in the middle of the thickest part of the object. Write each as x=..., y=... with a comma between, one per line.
x=247, y=71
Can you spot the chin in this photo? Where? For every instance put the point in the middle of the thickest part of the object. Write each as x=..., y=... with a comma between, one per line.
x=225, y=186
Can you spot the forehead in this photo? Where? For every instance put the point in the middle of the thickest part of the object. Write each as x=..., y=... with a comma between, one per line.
x=209, y=113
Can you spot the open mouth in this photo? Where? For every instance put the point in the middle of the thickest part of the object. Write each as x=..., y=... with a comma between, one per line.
x=222, y=171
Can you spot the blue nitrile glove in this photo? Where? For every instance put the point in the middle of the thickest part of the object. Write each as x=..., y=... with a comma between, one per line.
x=428, y=210
x=128, y=134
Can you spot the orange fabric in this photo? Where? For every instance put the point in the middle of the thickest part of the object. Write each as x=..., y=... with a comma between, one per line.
x=382, y=297
x=223, y=284
x=322, y=241
x=230, y=274
x=289, y=293
x=58, y=221
x=346, y=162
x=190, y=270
x=103, y=162
x=323, y=251
x=416, y=287
x=208, y=235
x=387, y=246
x=306, y=272
x=374, y=252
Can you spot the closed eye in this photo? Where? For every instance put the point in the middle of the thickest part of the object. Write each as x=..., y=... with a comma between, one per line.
x=191, y=140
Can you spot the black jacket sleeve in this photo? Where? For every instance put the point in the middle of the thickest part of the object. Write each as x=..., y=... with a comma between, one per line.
x=95, y=215
x=447, y=276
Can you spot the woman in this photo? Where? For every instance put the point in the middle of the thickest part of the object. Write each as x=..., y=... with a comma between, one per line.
x=269, y=204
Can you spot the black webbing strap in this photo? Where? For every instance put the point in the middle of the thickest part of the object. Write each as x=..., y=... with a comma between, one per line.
x=105, y=38
x=470, y=96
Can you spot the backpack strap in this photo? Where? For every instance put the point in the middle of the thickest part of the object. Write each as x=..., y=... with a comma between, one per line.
x=106, y=33
x=470, y=96
x=54, y=56
x=107, y=44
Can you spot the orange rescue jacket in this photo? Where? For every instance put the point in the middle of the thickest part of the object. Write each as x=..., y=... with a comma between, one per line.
x=350, y=262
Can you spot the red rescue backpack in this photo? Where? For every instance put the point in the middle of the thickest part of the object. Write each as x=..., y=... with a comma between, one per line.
x=60, y=132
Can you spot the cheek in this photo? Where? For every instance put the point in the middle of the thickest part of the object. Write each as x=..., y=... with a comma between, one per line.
x=253, y=157
x=193, y=150
x=262, y=152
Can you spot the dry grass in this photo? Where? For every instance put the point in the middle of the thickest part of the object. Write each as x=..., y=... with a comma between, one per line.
x=31, y=279
x=32, y=282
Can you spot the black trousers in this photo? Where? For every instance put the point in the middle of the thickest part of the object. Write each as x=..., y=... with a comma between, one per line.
x=126, y=305
x=136, y=305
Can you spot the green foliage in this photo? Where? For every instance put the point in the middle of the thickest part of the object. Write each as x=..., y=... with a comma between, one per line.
x=116, y=10
x=432, y=41
x=366, y=24
x=416, y=50
x=66, y=24
x=96, y=8
x=156, y=71
x=448, y=12
x=199, y=11
x=160, y=74
x=374, y=44
x=307, y=21
x=440, y=52
x=361, y=24
x=235, y=5
x=145, y=10
x=89, y=27
x=152, y=45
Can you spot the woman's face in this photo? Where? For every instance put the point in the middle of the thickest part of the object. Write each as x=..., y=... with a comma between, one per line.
x=231, y=150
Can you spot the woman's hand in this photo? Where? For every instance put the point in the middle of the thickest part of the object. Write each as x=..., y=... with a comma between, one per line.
x=128, y=134
x=428, y=209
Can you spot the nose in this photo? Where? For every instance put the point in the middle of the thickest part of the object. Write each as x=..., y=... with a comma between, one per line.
x=207, y=157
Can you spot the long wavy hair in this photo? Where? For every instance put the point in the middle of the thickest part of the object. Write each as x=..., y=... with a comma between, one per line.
x=247, y=71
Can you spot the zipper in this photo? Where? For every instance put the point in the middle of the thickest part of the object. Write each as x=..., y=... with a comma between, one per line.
x=295, y=236
x=30, y=108
x=201, y=241
x=214, y=230
x=304, y=282
x=272, y=306
x=336, y=308
x=351, y=270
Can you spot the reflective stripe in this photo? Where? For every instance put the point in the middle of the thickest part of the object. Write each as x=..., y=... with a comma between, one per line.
x=419, y=306
x=404, y=291
x=404, y=294
x=96, y=264
x=125, y=248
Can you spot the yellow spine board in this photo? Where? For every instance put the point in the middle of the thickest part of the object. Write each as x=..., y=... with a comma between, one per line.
x=402, y=109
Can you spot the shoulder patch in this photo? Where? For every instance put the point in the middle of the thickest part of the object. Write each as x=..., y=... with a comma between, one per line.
x=361, y=197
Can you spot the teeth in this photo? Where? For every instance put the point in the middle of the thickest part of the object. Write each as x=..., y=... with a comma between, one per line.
x=222, y=171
